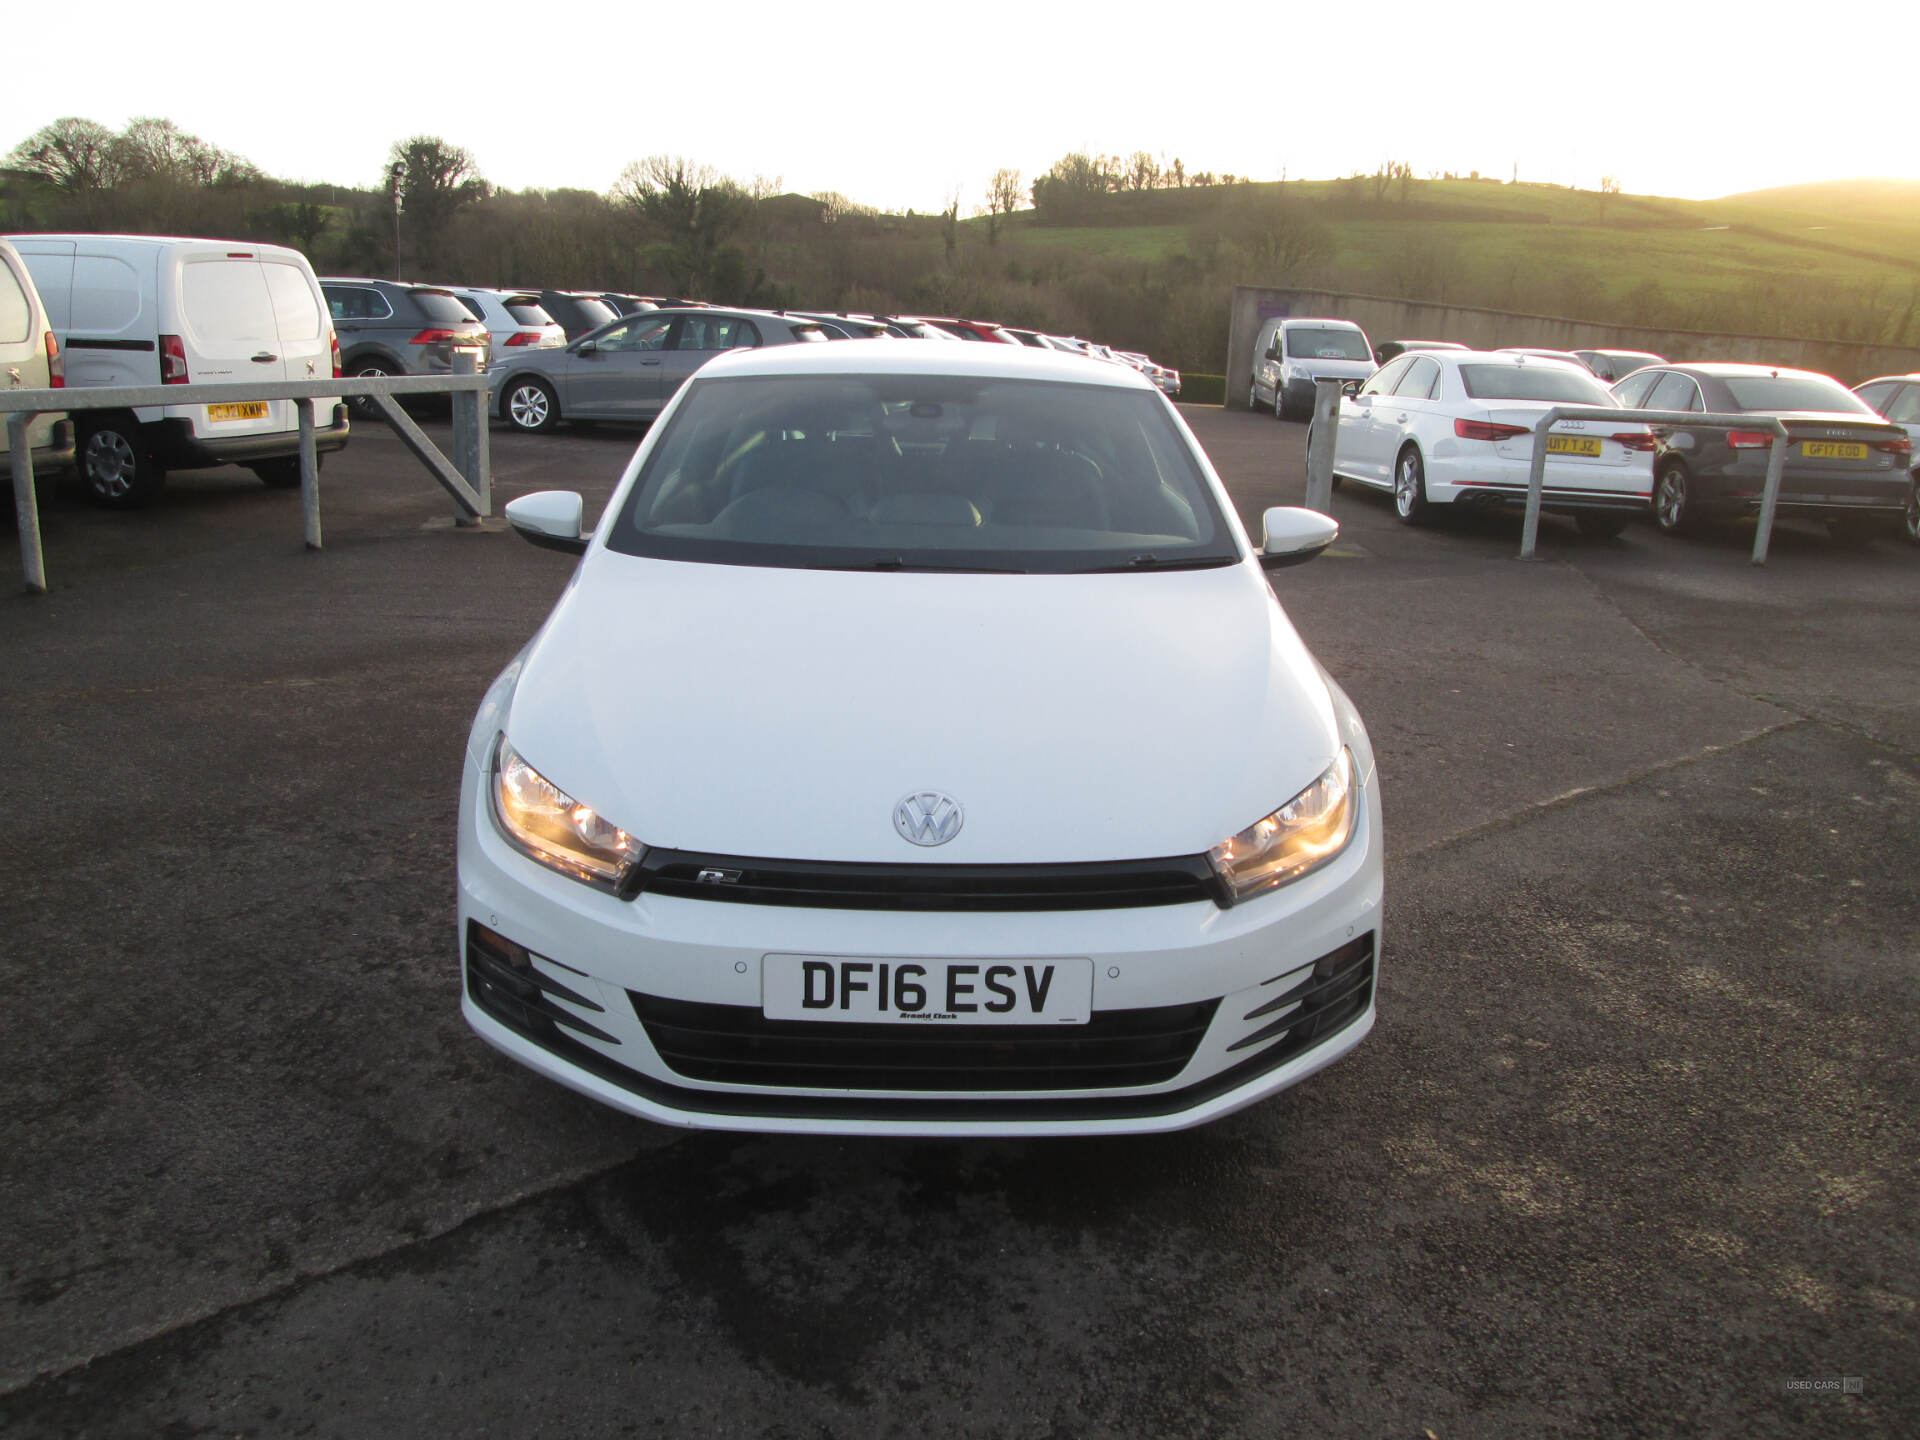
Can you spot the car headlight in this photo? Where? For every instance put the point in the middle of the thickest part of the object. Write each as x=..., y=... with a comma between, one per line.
x=1300, y=836
x=549, y=825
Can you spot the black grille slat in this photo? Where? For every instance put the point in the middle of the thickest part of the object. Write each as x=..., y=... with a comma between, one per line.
x=1101, y=885
x=1341, y=987
x=737, y=1044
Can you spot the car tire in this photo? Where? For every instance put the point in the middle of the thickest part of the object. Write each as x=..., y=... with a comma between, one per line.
x=1601, y=524
x=1410, y=501
x=1913, y=515
x=530, y=405
x=283, y=471
x=1253, y=395
x=115, y=466
x=365, y=407
x=1673, y=507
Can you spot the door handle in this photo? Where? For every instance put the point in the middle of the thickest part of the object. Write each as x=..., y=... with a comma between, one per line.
x=649, y=362
x=265, y=357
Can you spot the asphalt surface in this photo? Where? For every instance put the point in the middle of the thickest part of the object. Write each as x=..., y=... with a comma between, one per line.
x=1631, y=1150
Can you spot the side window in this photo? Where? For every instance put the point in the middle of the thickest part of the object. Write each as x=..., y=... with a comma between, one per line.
x=350, y=302
x=1632, y=392
x=1418, y=381
x=707, y=332
x=745, y=335
x=640, y=335
x=16, y=315
x=1878, y=393
x=1905, y=409
x=1674, y=392
x=1382, y=381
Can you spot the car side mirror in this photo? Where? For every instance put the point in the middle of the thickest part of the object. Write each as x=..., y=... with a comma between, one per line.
x=1350, y=389
x=1273, y=353
x=550, y=519
x=1290, y=535
x=587, y=347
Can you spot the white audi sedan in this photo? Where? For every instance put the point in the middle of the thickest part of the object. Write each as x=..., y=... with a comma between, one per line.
x=1455, y=427
x=919, y=749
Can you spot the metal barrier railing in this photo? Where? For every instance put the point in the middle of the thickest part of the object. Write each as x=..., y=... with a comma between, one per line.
x=467, y=477
x=1326, y=411
x=1769, y=497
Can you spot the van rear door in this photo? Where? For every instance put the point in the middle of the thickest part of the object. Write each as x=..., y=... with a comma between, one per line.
x=229, y=333
x=305, y=329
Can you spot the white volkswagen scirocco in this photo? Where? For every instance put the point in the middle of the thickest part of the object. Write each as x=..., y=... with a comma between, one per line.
x=919, y=748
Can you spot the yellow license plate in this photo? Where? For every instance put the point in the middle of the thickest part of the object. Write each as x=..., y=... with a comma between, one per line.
x=1832, y=450
x=245, y=410
x=1572, y=445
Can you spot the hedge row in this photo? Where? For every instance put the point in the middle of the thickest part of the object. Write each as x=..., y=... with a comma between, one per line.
x=1203, y=389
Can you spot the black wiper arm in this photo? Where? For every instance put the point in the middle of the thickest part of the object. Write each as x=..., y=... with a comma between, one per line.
x=1151, y=561
x=900, y=562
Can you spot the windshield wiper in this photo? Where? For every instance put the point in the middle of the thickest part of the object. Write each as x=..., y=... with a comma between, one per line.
x=1151, y=561
x=900, y=562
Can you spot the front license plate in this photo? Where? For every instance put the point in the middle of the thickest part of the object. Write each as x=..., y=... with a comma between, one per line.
x=244, y=410
x=927, y=992
x=1832, y=450
x=1572, y=445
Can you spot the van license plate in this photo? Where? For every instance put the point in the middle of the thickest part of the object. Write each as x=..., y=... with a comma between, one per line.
x=245, y=410
x=1832, y=450
x=927, y=992
x=1572, y=445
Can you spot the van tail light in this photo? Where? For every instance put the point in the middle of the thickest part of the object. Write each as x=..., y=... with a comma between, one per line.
x=1892, y=445
x=333, y=343
x=431, y=337
x=56, y=364
x=1749, y=439
x=1634, y=440
x=1487, y=430
x=173, y=361
x=524, y=337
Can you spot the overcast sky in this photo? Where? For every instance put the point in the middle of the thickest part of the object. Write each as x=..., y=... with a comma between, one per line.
x=898, y=104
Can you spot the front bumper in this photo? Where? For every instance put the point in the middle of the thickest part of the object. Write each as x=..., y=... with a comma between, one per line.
x=597, y=973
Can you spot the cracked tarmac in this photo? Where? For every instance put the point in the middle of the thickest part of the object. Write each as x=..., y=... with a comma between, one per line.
x=1632, y=1146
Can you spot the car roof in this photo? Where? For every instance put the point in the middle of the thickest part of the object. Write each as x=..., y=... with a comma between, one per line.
x=1513, y=358
x=1882, y=379
x=1291, y=321
x=879, y=357
x=1737, y=369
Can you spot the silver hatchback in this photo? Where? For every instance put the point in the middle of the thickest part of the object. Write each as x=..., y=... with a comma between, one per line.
x=630, y=369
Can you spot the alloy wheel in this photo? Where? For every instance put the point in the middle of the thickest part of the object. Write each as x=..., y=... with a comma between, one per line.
x=1406, y=485
x=1671, y=504
x=527, y=407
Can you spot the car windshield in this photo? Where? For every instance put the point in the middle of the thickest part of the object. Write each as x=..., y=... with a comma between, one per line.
x=1549, y=380
x=923, y=472
x=1761, y=393
x=1317, y=343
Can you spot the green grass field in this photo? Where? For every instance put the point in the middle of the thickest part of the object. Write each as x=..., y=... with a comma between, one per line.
x=1752, y=261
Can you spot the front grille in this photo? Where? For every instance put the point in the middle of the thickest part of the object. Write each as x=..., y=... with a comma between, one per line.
x=1100, y=885
x=737, y=1045
x=503, y=982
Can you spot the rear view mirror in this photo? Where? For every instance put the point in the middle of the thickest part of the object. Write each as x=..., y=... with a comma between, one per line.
x=550, y=519
x=1291, y=535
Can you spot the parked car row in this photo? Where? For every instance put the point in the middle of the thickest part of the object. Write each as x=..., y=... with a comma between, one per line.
x=1435, y=423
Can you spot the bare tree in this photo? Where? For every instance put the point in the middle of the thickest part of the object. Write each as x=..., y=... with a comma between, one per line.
x=1003, y=198
x=1609, y=187
x=950, y=224
x=1143, y=171
x=73, y=154
x=692, y=208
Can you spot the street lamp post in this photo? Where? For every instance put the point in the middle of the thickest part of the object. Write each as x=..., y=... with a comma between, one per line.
x=396, y=174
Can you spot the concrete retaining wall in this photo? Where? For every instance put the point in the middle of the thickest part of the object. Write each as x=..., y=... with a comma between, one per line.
x=1385, y=319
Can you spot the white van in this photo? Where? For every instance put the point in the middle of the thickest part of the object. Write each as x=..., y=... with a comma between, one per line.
x=30, y=360
x=1289, y=354
x=147, y=310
